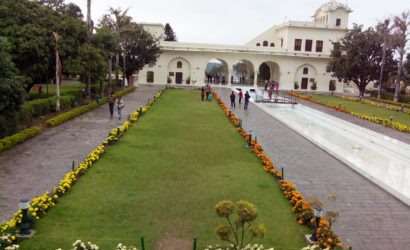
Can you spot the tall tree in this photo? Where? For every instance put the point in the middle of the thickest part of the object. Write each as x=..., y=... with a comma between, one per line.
x=89, y=37
x=406, y=70
x=141, y=49
x=170, y=35
x=402, y=32
x=357, y=57
x=119, y=23
x=12, y=93
x=28, y=26
x=107, y=42
x=384, y=28
x=241, y=70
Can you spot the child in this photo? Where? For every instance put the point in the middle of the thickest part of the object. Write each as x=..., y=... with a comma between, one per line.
x=120, y=106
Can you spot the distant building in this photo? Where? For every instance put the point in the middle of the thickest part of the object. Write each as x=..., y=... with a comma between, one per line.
x=293, y=52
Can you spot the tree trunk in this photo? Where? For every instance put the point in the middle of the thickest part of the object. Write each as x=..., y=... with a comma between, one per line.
x=362, y=89
x=399, y=70
x=109, y=76
x=117, y=62
x=88, y=87
x=382, y=69
x=124, y=76
x=58, y=108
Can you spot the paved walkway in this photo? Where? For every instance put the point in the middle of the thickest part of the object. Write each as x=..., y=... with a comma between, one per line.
x=370, y=218
x=29, y=169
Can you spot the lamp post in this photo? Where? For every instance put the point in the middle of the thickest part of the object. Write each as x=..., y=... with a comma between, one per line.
x=391, y=118
x=318, y=211
x=24, y=205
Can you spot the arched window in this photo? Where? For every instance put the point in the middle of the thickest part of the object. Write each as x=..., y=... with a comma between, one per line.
x=305, y=71
x=265, y=43
x=272, y=45
x=258, y=44
x=179, y=64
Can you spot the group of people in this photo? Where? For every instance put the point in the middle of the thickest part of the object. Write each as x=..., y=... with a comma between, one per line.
x=120, y=106
x=215, y=79
x=241, y=96
x=273, y=85
x=206, y=93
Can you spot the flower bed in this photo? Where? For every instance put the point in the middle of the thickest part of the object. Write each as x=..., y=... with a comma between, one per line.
x=385, y=122
x=304, y=211
x=20, y=137
x=395, y=108
x=59, y=119
x=390, y=102
x=40, y=205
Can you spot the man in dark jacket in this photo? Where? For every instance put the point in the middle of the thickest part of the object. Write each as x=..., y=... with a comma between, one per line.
x=247, y=97
x=232, y=100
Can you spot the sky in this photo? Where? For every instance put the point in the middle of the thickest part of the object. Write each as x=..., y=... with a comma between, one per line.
x=236, y=22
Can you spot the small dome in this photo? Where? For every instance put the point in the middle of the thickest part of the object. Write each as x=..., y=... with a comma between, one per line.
x=332, y=6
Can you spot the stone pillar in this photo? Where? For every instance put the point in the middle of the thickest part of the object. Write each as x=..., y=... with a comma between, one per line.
x=255, y=79
x=229, y=78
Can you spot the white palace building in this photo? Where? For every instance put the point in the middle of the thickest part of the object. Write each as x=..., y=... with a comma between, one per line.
x=294, y=51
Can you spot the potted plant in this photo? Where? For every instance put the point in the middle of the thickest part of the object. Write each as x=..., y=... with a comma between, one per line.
x=313, y=86
x=295, y=85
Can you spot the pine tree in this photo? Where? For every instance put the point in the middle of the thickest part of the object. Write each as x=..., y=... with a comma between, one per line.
x=169, y=34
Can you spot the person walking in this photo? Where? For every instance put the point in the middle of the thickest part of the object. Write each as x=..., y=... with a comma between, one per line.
x=120, y=106
x=240, y=94
x=232, y=96
x=202, y=93
x=111, y=105
x=247, y=97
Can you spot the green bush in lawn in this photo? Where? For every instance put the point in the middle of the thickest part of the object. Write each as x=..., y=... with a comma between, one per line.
x=11, y=141
x=44, y=106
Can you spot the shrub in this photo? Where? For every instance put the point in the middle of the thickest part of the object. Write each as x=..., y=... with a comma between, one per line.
x=11, y=141
x=295, y=85
x=188, y=80
x=313, y=86
x=44, y=106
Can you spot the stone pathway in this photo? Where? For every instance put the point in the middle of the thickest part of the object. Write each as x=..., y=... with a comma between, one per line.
x=370, y=218
x=32, y=168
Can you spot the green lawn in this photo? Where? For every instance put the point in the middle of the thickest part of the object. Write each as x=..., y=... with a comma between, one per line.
x=365, y=108
x=164, y=177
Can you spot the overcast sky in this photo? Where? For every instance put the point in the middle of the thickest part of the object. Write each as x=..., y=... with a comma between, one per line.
x=236, y=21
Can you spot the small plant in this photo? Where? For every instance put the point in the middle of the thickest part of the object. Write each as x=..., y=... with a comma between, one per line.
x=332, y=215
x=313, y=86
x=295, y=85
x=188, y=80
x=235, y=234
x=169, y=80
x=79, y=245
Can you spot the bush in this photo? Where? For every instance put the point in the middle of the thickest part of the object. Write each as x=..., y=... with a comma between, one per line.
x=390, y=96
x=59, y=119
x=332, y=85
x=313, y=86
x=44, y=106
x=11, y=141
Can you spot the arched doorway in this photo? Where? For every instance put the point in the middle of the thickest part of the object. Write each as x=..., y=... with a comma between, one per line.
x=243, y=72
x=179, y=71
x=268, y=71
x=216, y=71
x=305, y=76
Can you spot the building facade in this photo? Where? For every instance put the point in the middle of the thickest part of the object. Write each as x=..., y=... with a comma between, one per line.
x=295, y=53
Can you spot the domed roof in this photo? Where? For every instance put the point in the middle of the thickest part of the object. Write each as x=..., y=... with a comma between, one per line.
x=332, y=6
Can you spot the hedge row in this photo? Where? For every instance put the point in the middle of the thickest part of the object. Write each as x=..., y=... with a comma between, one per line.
x=44, y=106
x=57, y=120
x=390, y=96
x=22, y=136
x=398, y=104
